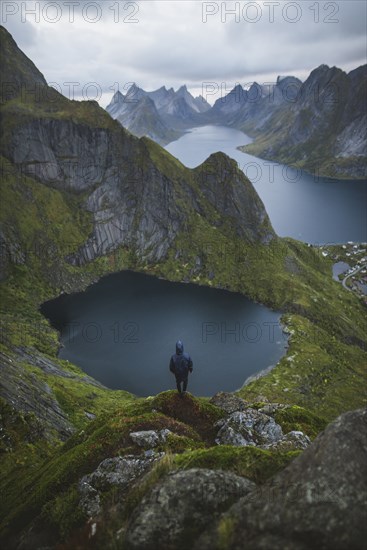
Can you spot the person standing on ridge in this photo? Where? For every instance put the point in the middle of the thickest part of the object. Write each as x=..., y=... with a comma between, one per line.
x=180, y=365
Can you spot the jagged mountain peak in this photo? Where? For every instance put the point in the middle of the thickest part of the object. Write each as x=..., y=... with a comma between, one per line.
x=178, y=106
x=117, y=97
x=184, y=93
x=182, y=89
x=116, y=103
x=231, y=102
x=322, y=67
x=134, y=88
x=162, y=90
x=202, y=104
x=238, y=93
x=324, y=70
x=237, y=89
x=255, y=91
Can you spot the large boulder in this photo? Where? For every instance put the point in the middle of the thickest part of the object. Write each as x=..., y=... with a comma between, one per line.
x=181, y=506
x=117, y=472
x=318, y=501
x=249, y=427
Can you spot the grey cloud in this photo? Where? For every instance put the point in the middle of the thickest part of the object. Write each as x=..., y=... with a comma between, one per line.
x=171, y=45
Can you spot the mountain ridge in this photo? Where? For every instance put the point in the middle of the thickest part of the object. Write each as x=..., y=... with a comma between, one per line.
x=318, y=125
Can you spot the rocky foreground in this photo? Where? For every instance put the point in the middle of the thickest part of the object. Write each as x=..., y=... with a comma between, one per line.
x=317, y=501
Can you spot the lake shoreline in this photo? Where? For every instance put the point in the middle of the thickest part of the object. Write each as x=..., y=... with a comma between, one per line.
x=200, y=330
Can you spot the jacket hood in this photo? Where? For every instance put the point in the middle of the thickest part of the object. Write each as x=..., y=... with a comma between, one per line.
x=179, y=347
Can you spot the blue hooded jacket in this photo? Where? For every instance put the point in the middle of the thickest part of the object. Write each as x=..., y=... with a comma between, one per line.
x=180, y=363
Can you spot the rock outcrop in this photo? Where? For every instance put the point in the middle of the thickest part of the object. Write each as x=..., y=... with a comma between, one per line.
x=149, y=438
x=118, y=473
x=223, y=186
x=318, y=501
x=179, y=508
x=248, y=427
x=292, y=441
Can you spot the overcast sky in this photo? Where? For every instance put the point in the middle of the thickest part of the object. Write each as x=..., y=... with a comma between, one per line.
x=210, y=46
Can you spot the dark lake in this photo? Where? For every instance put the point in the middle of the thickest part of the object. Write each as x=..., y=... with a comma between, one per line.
x=122, y=331
x=308, y=208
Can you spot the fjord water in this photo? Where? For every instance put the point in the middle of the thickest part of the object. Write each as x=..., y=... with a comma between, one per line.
x=306, y=207
x=122, y=331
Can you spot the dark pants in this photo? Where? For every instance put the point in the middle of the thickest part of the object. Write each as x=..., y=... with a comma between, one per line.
x=180, y=381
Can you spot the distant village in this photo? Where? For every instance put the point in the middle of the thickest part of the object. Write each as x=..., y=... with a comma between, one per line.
x=349, y=266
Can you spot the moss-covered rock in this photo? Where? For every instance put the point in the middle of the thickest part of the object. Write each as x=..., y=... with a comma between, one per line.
x=181, y=505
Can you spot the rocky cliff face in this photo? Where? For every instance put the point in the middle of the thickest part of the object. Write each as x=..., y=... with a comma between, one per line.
x=322, y=129
x=133, y=203
x=140, y=197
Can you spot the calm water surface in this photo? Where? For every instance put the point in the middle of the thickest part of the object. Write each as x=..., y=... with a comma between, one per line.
x=122, y=331
x=302, y=206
